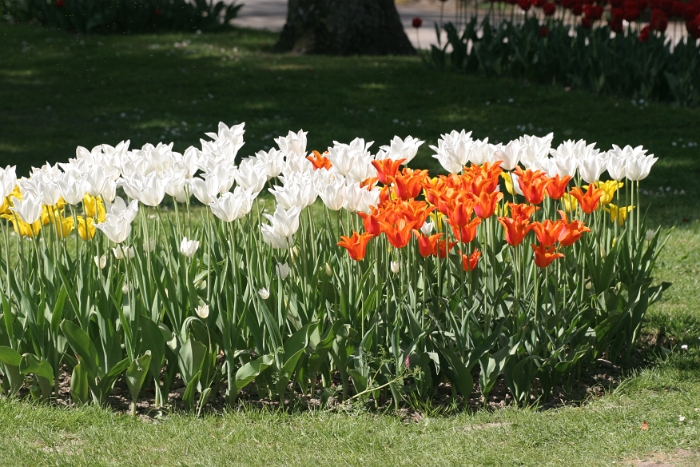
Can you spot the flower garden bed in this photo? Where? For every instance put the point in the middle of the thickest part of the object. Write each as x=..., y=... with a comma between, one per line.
x=521, y=262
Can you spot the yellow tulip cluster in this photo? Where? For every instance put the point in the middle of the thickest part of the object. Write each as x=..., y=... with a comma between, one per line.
x=93, y=209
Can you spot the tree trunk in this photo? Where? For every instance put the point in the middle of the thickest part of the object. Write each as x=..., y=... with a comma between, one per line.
x=343, y=27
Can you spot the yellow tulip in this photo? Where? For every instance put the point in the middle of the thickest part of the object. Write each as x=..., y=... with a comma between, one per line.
x=570, y=203
x=436, y=218
x=7, y=202
x=64, y=226
x=21, y=227
x=609, y=188
x=509, y=182
x=617, y=213
x=94, y=207
x=86, y=227
x=47, y=215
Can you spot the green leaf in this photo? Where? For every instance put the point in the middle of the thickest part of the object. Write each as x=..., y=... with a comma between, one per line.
x=9, y=356
x=82, y=345
x=136, y=374
x=190, y=359
x=248, y=372
x=31, y=364
x=79, y=388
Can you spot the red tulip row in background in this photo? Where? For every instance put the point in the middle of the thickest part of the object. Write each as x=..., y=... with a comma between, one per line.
x=657, y=12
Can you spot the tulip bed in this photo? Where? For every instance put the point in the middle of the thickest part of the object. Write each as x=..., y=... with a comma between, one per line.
x=599, y=55
x=521, y=263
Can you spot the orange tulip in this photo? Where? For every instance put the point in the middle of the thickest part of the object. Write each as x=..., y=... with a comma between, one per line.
x=521, y=212
x=319, y=161
x=532, y=184
x=356, y=245
x=386, y=169
x=371, y=223
x=589, y=200
x=466, y=233
x=427, y=245
x=572, y=231
x=545, y=255
x=408, y=183
x=443, y=248
x=485, y=203
x=515, y=230
x=557, y=186
x=469, y=262
x=398, y=234
x=368, y=183
x=547, y=232
x=459, y=211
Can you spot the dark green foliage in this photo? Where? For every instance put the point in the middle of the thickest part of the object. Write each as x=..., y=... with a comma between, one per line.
x=123, y=16
x=588, y=59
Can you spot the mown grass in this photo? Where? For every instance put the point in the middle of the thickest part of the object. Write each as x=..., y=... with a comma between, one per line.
x=58, y=91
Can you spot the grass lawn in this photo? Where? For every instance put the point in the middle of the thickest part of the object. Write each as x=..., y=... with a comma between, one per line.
x=58, y=91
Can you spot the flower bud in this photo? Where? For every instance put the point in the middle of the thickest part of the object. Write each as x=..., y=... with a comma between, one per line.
x=395, y=267
x=650, y=235
x=282, y=270
x=149, y=246
x=202, y=311
x=123, y=252
x=101, y=261
x=264, y=293
x=329, y=271
x=125, y=288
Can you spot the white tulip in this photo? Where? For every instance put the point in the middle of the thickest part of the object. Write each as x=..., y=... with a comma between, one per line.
x=8, y=181
x=401, y=149
x=427, y=228
x=591, y=166
x=638, y=167
x=453, y=150
x=116, y=227
x=72, y=188
x=294, y=143
x=333, y=194
x=28, y=209
x=188, y=247
x=510, y=155
x=285, y=222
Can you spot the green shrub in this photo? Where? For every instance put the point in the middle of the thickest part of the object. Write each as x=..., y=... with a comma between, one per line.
x=123, y=16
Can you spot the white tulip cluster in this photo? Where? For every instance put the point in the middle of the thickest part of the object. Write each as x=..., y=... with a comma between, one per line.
x=455, y=150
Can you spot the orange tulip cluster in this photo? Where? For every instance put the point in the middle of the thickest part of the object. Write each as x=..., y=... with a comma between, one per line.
x=465, y=200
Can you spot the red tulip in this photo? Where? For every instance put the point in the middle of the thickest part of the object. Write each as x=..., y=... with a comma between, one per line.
x=524, y=4
x=549, y=9
x=644, y=34
x=59, y=3
x=158, y=12
x=544, y=31
x=417, y=22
